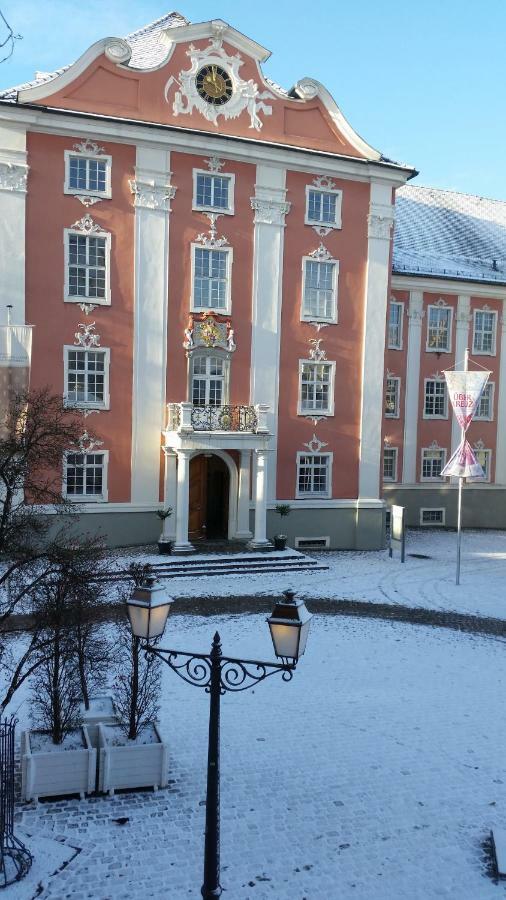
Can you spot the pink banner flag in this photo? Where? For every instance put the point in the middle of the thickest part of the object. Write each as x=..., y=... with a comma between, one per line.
x=463, y=463
x=465, y=390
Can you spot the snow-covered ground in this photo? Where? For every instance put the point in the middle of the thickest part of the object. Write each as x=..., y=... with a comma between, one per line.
x=370, y=575
x=375, y=774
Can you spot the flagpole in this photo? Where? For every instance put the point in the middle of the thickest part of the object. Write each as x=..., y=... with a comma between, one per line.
x=459, y=505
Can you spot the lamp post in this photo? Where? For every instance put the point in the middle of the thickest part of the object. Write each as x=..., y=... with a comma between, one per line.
x=148, y=609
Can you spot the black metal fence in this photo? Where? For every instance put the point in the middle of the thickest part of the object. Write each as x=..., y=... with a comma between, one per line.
x=15, y=858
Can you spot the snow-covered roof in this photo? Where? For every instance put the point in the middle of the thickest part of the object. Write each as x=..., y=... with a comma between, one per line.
x=148, y=49
x=446, y=234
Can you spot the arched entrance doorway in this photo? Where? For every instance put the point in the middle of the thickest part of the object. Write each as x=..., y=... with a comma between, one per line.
x=209, y=498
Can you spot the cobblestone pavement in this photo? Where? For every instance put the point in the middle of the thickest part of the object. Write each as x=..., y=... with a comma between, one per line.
x=375, y=774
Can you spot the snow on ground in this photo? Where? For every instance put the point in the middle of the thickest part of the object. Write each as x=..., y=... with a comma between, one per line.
x=371, y=575
x=375, y=774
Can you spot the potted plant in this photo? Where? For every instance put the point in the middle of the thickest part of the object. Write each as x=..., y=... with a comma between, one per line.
x=132, y=753
x=283, y=510
x=165, y=545
x=57, y=758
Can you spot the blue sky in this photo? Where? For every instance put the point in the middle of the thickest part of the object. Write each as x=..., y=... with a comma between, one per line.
x=423, y=82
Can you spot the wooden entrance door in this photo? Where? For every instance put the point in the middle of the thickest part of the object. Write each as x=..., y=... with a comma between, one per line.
x=197, y=498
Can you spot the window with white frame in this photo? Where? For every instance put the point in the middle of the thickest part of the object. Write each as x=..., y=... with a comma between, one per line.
x=88, y=175
x=390, y=455
x=87, y=377
x=85, y=475
x=433, y=462
x=316, y=387
x=313, y=475
x=395, y=322
x=211, y=278
x=87, y=266
x=439, y=327
x=432, y=515
x=323, y=207
x=208, y=380
x=213, y=192
x=319, y=290
x=484, y=457
x=392, y=395
x=436, y=399
x=485, y=410
x=485, y=323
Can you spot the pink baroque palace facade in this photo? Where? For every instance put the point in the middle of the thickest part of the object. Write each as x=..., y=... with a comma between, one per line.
x=208, y=266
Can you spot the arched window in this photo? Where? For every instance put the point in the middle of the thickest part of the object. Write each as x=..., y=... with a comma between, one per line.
x=209, y=379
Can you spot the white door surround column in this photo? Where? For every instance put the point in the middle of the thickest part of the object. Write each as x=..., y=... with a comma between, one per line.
x=380, y=222
x=169, y=495
x=260, y=541
x=13, y=185
x=500, y=457
x=409, y=454
x=243, y=529
x=152, y=193
x=463, y=319
x=270, y=207
x=182, y=544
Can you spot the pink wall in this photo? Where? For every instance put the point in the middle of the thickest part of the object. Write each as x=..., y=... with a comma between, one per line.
x=48, y=212
x=342, y=342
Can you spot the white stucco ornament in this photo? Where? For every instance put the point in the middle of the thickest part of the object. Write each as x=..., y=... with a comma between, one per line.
x=245, y=96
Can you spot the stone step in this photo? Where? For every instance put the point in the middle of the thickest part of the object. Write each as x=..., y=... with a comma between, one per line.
x=255, y=564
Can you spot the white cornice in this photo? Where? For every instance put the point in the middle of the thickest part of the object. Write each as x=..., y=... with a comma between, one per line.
x=125, y=131
x=308, y=89
x=217, y=28
x=446, y=286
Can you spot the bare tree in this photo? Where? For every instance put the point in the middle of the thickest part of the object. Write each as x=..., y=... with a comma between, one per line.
x=137, y=686
x=7, y=40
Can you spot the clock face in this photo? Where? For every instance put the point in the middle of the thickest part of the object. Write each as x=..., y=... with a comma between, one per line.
x=214, y=85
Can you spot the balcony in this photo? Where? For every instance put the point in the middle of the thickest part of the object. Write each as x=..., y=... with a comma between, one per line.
x=220, y=426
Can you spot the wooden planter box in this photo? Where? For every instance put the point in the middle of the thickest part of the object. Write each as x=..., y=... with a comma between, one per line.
x=54, y=773
x=102, y=709
x=130, y=764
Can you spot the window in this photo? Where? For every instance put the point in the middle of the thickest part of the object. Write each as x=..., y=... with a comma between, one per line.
x=87, y=377
x=484, y=331
x=439, y=324
x=88, y=175
x=85, y=476
x=316, y=387
x=484, y=458
x=323, y=207
x=433, y=462
x=485, y=410
x=392, y=393
x=319, y=290
x=432, y=516
x=436, y=400
x=208, y=387
x=395, y=317
x=390, y=463
x=313, y=475
x=213, y=192
x=87, y=266
x=211, y=279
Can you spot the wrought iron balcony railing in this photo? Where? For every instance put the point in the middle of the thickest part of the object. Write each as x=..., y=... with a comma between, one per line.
x=188, y=417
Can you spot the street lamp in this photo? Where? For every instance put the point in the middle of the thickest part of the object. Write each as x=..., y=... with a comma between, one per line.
x=148, y=609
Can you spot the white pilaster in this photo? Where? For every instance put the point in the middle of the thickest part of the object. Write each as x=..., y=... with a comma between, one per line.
x=260, y=541
x=243, y=530
x=270, y=206
x=380, y=221
x=415, y=319
x=182, y=544
x=13, y=186
x=500, y=459
x=152, y=195
x=461, y=345
x=170, y=495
